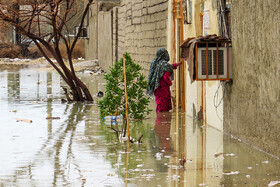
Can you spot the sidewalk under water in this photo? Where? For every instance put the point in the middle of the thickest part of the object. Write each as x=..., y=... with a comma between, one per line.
x=73, y=147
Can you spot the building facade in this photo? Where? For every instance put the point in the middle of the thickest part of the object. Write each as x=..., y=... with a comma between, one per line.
x=248, y=106
x=251, y=103
x=137, y=27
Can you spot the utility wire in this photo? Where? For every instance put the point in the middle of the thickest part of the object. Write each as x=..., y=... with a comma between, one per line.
x=218, y=102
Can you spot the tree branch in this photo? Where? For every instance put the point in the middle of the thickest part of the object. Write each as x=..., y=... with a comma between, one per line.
x=81, y=25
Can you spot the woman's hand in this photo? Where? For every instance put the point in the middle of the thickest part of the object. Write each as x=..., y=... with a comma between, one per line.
x=178, y=64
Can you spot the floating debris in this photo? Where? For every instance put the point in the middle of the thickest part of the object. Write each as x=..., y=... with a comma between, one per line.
x=158, y=155
x=167, y=156
x=147, y=175
x=248, y=176
x=265, y=162
x=24, y=120
x=97, y=71
x=100, y=94
x=189, y=161
x=141, y=170
x=274, y=183
x=51, y=118
x=218, y=154
x=175, y=177
x=231, y=173
x=50, y=96
x=175, y=167
x=250, y=167
x=230, y=154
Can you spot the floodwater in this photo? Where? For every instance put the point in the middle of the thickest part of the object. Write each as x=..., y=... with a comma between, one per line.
x=75, y=148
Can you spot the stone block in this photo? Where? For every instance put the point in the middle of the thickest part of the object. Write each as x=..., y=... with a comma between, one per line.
x=144, y=11
x=137, y=6
x=129, y=13
x=137, y=13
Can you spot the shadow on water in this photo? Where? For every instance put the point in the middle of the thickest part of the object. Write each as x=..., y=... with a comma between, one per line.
x=76, y=148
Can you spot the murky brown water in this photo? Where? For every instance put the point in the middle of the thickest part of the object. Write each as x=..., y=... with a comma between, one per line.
x=79, y=150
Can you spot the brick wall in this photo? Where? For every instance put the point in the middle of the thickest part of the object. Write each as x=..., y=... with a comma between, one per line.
x=140, y=28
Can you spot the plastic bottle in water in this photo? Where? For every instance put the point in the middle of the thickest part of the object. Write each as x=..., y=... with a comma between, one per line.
x=110, y=118
x=113, y=118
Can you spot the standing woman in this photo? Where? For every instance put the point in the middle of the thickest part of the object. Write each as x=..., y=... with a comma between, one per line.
x=159, y=80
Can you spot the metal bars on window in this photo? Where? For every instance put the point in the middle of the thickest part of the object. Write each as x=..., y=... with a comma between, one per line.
x=212, y=62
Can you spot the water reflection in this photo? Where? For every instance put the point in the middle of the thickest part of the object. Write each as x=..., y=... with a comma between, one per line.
x=162, y=130
x=78, y=149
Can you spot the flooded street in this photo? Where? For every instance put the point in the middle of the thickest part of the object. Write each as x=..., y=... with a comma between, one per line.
x=45, y=142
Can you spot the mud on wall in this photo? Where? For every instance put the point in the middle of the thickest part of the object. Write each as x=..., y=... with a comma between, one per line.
x=252, y=102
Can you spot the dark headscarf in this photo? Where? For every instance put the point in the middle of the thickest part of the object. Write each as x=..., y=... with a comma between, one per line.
x=158, y=67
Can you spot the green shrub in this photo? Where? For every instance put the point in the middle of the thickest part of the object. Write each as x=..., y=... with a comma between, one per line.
x=113, y=102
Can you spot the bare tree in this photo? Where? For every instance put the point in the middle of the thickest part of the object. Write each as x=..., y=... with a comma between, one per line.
x=45, y=23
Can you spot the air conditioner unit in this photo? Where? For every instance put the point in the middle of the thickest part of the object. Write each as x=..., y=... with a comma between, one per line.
x=221, y=66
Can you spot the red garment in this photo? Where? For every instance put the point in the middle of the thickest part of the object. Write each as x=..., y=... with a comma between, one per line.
x=163, y=94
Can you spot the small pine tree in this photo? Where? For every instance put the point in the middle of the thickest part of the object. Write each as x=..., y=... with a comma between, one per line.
x=113, y=102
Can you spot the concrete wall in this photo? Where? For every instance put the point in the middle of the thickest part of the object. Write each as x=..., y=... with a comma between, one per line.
x=138, y=27
x=105, y=43
x=252, y=102
x=99, y=44
x=142, y=29
x=91, y=42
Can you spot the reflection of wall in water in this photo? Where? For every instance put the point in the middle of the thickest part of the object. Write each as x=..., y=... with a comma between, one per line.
x=201, y=145
x=49, y=104
x=34, y=85
x=13, y=86
x=256, y=168
x=201, y=93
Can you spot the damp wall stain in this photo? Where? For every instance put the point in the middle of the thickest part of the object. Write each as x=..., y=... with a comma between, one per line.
x=251, y=103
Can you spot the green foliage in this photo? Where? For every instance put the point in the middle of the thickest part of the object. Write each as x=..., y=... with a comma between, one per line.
x=113, y=102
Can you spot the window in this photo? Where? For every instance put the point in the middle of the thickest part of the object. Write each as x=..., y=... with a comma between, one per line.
x=217, y=61
x=83, y=33
x=187, y=11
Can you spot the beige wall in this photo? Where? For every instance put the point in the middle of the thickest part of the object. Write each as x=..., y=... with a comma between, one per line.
x=91, y=42
x=105, y=48
x=142, y=29
x=195, y=91
x=252, y=102
x=99, y=42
